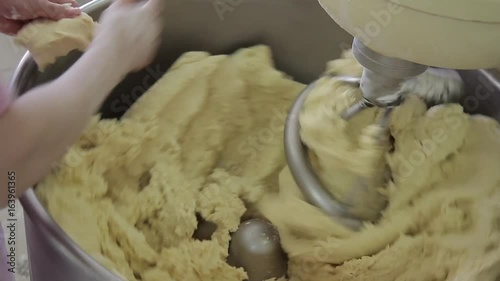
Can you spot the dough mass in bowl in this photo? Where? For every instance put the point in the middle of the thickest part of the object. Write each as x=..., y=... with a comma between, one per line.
x=206, y=140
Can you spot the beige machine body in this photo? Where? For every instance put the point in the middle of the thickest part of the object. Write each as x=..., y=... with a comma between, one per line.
x=455, y=34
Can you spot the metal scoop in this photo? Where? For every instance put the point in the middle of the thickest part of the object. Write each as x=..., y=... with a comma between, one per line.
x=255, y=246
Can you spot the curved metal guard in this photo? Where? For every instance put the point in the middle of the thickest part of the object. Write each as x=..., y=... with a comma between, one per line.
x=299, y=163
x=302, y=171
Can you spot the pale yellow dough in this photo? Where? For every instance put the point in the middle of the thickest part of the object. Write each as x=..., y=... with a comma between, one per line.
x=48, y=40
x=207, y=139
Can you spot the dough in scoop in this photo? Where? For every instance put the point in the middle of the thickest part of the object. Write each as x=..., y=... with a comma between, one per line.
x=48, y=40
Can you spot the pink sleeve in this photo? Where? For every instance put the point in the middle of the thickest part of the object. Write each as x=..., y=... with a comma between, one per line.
x=4, y=98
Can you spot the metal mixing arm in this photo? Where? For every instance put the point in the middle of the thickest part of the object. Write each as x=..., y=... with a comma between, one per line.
x=382, y=76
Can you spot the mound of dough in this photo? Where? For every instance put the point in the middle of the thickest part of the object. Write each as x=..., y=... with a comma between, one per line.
x=442, y=221
x=206, y=140
x=48, y=40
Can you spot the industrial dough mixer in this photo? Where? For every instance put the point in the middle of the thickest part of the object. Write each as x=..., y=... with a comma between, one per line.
x=392, y=58
x=392, y=55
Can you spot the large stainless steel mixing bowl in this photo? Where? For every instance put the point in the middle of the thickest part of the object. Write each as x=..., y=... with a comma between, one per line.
x=302, y=37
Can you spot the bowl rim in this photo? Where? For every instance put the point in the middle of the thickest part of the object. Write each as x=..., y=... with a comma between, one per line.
x=32, y=206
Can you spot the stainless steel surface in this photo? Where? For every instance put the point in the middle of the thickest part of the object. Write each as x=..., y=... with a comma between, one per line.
x=302, y=171
x=302, y=37
x=307, y=179
x=256, y=247
x=82, y=2
x=310, y=184
x=301, y=168
x=382, y=76
x=379, y=89
x=390, y=67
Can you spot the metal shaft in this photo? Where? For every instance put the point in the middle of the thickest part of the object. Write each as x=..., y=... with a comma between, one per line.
x=382, y=75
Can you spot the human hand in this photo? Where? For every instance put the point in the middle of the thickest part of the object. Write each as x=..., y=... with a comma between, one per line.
x=130, y=31
x=14, y=14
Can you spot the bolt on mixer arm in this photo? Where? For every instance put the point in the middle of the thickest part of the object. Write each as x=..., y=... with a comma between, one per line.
x=382, y=75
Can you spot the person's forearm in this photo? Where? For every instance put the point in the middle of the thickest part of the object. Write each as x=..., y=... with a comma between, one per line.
x=40, y=125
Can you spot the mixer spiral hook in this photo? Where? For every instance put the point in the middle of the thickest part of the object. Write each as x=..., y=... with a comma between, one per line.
x=299, y=162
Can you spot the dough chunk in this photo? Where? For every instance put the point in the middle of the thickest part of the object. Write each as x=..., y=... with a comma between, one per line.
x=48, y=40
